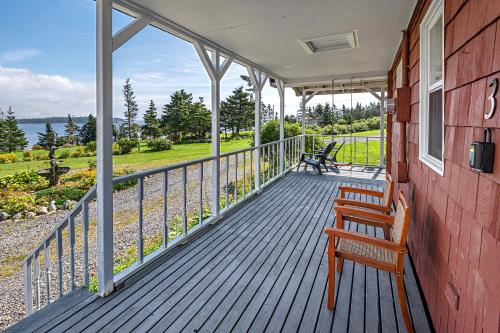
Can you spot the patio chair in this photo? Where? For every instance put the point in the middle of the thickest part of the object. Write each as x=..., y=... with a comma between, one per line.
x=317, y=159
x=384, y=208
x=387, y=255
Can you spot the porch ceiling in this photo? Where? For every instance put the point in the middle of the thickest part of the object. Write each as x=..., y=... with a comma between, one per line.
x=267, y=32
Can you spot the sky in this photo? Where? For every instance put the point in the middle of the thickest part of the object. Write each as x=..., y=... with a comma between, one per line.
x=47, y=63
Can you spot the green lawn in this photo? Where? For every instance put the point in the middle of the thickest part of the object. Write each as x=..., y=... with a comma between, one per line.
x=365, y=133
x=184, y=152
x=136, y=160
x=358, y=156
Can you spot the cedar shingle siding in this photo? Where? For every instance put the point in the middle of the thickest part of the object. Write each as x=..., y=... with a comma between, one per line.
x=454, y=237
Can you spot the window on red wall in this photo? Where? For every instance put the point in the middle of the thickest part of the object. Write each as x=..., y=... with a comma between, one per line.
x=431, y=137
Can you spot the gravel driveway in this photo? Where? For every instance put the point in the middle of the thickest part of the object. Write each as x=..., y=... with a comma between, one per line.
x=18, y=238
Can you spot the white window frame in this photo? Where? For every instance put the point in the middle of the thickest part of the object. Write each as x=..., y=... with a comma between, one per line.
x=399, y=74
x=433, y=13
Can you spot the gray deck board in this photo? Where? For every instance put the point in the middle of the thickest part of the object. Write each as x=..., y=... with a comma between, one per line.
x=262, y=268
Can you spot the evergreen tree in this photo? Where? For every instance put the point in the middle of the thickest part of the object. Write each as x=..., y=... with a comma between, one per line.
x=71, y=132
x=129, y=128
x=200, y=120
x=237, y=111
x=88, y=131
x=151, y=127
x=175, y=114
x=11, y=135
x=49, y=138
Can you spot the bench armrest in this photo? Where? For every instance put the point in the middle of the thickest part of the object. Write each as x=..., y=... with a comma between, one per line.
x=346, y=211
x=344, y=189
x=338, y=233
x=349, y=202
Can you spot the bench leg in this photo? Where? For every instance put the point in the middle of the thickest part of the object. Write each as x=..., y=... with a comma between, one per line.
x=331, y=274
x=402, y=302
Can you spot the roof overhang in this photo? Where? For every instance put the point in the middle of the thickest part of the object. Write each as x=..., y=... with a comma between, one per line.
x=267, y=34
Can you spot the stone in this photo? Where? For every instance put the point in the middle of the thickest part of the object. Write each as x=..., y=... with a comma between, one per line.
x=29, y=215
x=4, y=216
x=17, y=216
x=68, y=204
x=52, y=206
x=42, y=210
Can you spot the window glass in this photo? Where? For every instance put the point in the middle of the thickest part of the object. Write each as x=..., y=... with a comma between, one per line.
x=436, y=124
x=436, y=52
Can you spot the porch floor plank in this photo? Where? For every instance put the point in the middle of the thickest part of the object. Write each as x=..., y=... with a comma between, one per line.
x=262, y=268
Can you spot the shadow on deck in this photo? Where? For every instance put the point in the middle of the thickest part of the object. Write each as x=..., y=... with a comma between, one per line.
x=263, y=268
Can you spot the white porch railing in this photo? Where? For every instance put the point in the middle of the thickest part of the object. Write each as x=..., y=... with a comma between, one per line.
x=67, y=246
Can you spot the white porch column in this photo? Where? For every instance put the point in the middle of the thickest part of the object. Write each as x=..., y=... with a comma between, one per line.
x=215, y=71
x=258, y=79
x=281, y=91
x=104, y=99
x=303, y=140
x=305, y=99
x=382, y=127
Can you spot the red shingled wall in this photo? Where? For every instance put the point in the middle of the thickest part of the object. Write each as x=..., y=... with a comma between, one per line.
x=454, y=237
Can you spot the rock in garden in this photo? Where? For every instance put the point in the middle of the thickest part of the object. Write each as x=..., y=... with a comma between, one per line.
x=4, y=216
x=52, y=206
x=29, y=215
x=68, y=204
x=17, y=216
x=42, y=210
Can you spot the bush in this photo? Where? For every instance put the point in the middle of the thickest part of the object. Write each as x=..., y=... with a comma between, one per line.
x=23, y=181
x=64, y=154
x=37, y=147
x=84, y=179
x=41, y=157
x=27, y=154
x=126, y=184
x=18, y=203
x=159, y=144
x=125, y=146
x=91, y=147
x=76, y=154
x=7, y=158
x=60, y=195
x=92, y=164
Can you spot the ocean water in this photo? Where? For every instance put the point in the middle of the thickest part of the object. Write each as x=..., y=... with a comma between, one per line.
x=31, y=131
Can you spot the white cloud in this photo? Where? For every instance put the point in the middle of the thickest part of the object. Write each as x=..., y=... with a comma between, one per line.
x=18, y=54
x=41, y=95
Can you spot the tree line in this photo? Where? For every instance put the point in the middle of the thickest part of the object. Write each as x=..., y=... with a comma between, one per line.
x=324, y=114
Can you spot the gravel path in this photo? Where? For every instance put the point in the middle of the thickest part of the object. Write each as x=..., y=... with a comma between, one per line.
x=18, y=238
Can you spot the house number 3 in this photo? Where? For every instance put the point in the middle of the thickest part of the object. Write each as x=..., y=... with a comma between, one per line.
x=493, y=101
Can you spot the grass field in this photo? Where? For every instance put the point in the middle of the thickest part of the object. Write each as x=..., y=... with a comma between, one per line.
x=136, y=160
x=184, y=152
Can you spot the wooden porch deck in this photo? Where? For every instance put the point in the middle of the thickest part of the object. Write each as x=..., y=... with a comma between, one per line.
x=263, y=268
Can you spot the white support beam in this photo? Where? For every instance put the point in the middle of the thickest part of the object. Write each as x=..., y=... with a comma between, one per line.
x=104, y=101
x=215, y=71
x=308, y=98
x=281, y=91
x=134, y=8
x=258, y=79
x=374, y=94
x=382, y=127
x=129, y=31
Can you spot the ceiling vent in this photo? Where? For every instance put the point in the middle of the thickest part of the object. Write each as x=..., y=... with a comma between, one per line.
x=344, y=41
